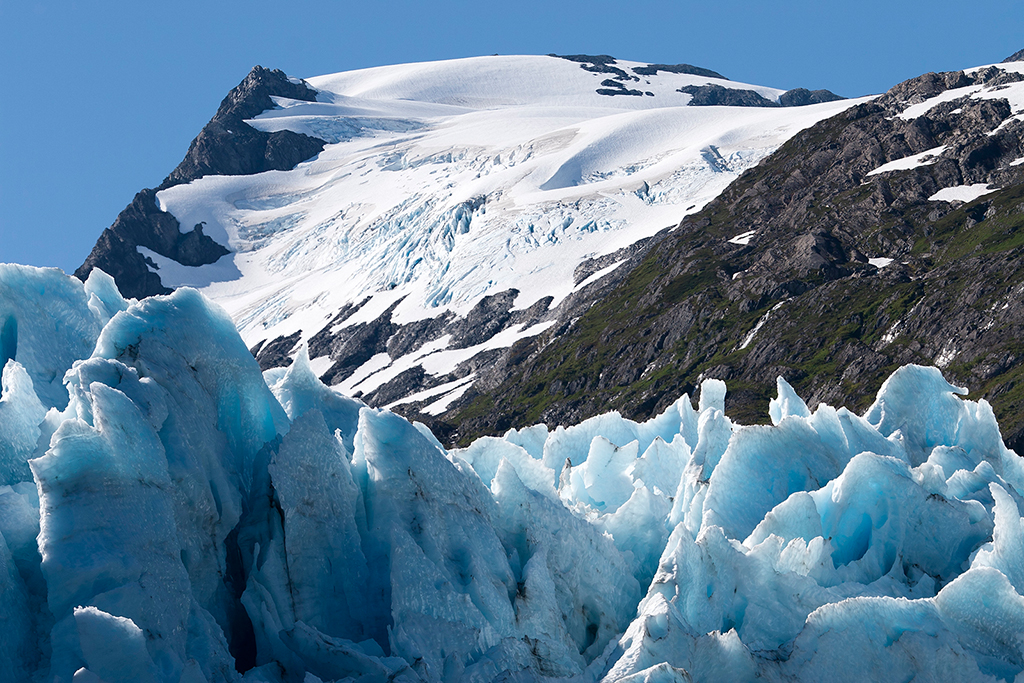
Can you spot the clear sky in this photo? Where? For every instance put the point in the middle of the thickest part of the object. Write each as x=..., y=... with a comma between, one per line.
x=102, y=98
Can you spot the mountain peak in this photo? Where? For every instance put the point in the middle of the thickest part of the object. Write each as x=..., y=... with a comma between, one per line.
x=1017, y=56
x=227, y=145
x=425, y=218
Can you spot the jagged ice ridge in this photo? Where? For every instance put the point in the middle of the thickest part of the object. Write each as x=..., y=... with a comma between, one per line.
x=169, y=513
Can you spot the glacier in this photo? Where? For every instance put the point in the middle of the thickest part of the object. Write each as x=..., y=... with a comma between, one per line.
x=170, y=513
x=443, y=183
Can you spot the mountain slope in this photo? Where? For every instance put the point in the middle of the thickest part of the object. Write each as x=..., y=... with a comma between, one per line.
x=890, y=233
x=225, y=146
x=452, y=208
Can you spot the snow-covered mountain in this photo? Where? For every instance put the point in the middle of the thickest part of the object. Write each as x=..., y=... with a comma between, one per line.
x=522, y=179
x=888, y=234
x=171, y=513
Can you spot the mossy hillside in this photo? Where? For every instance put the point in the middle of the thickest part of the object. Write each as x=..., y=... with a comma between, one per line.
x=843, y=326
x=818, y=332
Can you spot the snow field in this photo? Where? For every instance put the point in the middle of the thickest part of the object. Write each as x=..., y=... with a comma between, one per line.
x=446, y=182
x=183, y=513
x=962, y=193
x=925, y=158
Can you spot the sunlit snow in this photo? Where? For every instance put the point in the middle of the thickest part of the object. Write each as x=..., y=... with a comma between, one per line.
x=447, y=181
x=743, y=239
x=925, y=158
x=962, y=193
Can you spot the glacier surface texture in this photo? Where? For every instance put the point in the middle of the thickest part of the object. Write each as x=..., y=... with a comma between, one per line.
x=443, y=183
x=170, y=513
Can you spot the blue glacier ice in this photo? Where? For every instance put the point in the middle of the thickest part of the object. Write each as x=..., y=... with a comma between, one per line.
x=49, y=320
x=170, y=513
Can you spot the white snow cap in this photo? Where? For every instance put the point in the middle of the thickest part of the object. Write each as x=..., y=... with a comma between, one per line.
x=444, y=182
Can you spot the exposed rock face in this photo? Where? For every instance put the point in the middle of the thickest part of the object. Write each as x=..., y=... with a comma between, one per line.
x=783, y=275
x=603, y=64
x=228, y=146
x=798, y=97
x=225, y=146
x=613, y=87
x=358, y=345
x=143, y=224
x=653, y=69
x=1017, y=56
x=276, y=353
x=712, y=95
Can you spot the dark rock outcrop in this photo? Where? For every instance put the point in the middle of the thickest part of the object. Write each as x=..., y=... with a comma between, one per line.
x=229, y=146
x=799, y=97
x=143, y=224
x=711, y=95
x=715, y=95
x=653, y=69
x=1017, y=56
x=276, y=353
x=601, y=64
x=226, y=146
x=350, y=350
x=611, y=87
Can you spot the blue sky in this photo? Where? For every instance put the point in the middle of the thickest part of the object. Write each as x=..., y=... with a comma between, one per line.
x=102, y=98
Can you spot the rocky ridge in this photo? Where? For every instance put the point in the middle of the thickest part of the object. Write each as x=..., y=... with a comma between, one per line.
x=775, y=277
x=779, y=276
x=226, y=146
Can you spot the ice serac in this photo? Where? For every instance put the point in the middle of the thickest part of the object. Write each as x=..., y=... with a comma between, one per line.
x=192, y=519
x=450, y=580
x=128, y=574
x=20, y=416
x=312, y=478
x=835, y=526
x=49, y=320
x=18, y=656
x=299, y=390
x=167, y=418
x=575, y=591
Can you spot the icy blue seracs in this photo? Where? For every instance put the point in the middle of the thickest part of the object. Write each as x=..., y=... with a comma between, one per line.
x=169, y=513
